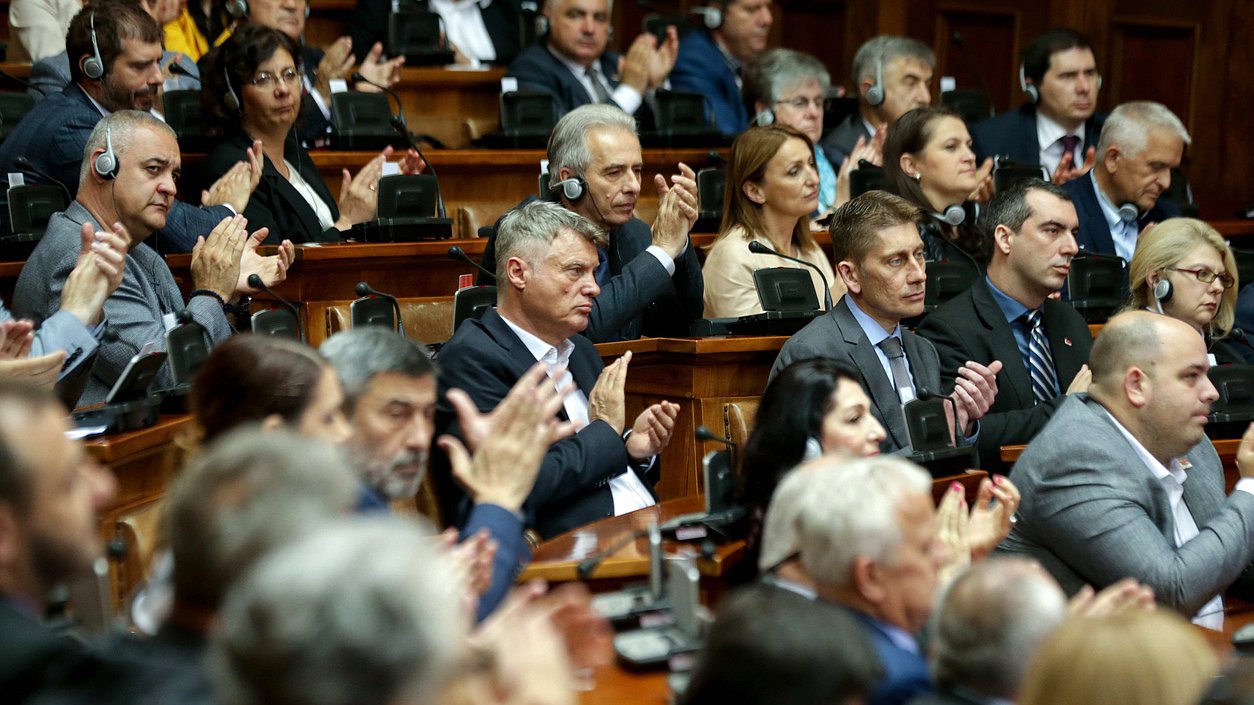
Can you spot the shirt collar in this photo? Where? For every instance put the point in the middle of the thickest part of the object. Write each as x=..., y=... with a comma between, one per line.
x=1174, y=470
x=576, y=68
x=539, y=349
x=873, y=330
x=1049, y=132
x=96, y=103
x=1109, y=210
x=1010, y=308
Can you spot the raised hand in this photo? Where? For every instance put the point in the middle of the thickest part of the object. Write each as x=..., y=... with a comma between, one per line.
x=272, y=269
x=652, y=430
x=952, y=523
x=975, y=390
x=983, y=192
x=1065, y=173
x=216, y=258
x=97, y=273
x=677, y=210
x=40, y=371
x=359, y=197
x=16, y=337
x=374, y=68
x=992, y=515
x=337, y=62
x=607, y=401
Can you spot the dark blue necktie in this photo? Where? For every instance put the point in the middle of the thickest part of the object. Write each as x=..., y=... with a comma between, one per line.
x=602, y=273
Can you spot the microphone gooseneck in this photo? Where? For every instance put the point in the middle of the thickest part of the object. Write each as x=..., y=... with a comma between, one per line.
x=24, y=164
x=363, y=289
x=399, y=124
x=760, y=249
x=255, y=281
x=457, y=253
x=703, y=433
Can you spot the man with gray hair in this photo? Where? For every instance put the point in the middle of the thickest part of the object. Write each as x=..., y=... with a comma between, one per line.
x=650, y=277
x=545, y=295
x=361, y=612
x=867, y=534
x=127, y=184
x=892, y=75
x=1141, y=143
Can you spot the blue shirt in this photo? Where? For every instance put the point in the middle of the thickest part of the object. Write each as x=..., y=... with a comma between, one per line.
x=1013, y=311
x=1123, y=233
x=876, y=334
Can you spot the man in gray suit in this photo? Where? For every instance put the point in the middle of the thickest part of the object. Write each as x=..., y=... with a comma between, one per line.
x=1103, y=483
x=879, y=256
x=134, y=193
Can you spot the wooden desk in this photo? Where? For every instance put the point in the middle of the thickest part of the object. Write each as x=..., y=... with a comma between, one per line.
x=1225, y=447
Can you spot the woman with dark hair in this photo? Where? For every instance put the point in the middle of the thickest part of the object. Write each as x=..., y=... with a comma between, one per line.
x=772, y=188
x=928, y=160
x=271, y=381
x=251, y=96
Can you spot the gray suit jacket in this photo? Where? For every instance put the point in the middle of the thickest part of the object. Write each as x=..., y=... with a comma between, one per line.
x=837, y=335
x=134, y=312
x=1092, y=513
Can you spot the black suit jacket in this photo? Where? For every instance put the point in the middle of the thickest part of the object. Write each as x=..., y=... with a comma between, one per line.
x=53, y=136
x=844, y=137
x=972, y=327
x=1094, y=232
x=1013, y=134
x=502, y=18
x=640, y=299
x=485, y=358
x=276, y=204
x=312, y=126
x=537, y=69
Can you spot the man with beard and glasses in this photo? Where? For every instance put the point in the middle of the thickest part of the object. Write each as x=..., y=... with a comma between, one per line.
x=115, y=64
x=389, y=387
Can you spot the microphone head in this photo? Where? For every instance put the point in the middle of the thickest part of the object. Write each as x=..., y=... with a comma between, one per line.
x=184, y=316
x=758, y=248
x=456, y=252
x=255, y=282
x=705, y=434
x=22, y=162
x=362, y=289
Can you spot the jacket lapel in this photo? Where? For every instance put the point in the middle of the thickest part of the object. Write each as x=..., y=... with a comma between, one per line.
x=1003, y=347
x=883, y=396
x=1067, y=361
x=520, y=357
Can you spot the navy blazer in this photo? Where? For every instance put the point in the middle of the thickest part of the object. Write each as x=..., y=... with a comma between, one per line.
x=276, y=204
x=502, y=18
x=905, y=672
x=640, y=298
x=1094, y=232
x=485, y=358
x=701, y=68
x=1013, y=134
x=844, y=137
x=538, y=69
x=53, y=136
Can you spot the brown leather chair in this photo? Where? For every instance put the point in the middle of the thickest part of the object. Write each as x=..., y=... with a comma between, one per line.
x=427, y=319
x=738, y=419
x=474, y=215
x=140, y=531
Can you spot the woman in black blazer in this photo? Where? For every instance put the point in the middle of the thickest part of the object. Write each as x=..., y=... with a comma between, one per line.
x=251, y=96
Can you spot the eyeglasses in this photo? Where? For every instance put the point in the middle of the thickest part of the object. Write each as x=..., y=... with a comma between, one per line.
x=801, y=102
x=265, y=80
x=1206, y=276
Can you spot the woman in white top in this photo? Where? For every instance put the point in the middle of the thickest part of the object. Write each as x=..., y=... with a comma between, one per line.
x=772, y=188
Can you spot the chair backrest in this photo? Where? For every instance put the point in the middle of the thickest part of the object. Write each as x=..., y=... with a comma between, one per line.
x=357, y=113
x=945, y=280
x=32, y=205
x=680, y=113
x=13, y=107
x=528, y=113
x=427, y=319
x=139, y=530
x=183, y=113
x=972, y=105
x=408, y=196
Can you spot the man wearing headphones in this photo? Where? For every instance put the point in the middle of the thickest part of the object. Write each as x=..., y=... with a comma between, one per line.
x=1007, y=315
x=649, y=277
x=571, y=62
x=1059, y=126
x=712, y=57
x=116, y=50
x=1141, y=143
x=128, y=176
x=892, y=75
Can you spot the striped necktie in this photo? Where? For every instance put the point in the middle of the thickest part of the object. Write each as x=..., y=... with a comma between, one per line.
x=1040, y=360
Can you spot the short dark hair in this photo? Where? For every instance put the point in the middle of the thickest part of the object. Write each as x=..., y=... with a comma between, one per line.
x=1010, y=208
x=1036, y=58
x=115, y=21
x=856, y=226
x=16, y=477
x=238, y=57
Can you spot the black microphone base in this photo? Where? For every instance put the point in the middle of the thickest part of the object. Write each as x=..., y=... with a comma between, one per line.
x=429, y=57
x=945, y=462
x=121, y=417
x=773, y=322
x=18, y=246
x=403, y=230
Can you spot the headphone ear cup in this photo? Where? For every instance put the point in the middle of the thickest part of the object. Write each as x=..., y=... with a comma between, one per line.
x=1163, y=291
x=573, y=188
x=106, y=165
x=93, y=68
x=764, y=118
x=239, y=9
x=542, y=26
x=875, y=95
x=955, y=214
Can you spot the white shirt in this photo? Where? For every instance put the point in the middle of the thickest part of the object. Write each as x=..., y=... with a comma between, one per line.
x=464, y=27
x=1124, y=234
x=627, y=98
x=307, y=192
x=1172, y=479
x=628, y=491
x=1049, y=136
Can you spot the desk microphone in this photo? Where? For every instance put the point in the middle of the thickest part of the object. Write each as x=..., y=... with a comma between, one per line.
x=29, y=85
x=703, y=433
x=363, y=289
x=588, y=565
x=24, y=164
x=760, y=249
x=176, y=67
x=254, y=280
x=398, y=123
x=460, y=255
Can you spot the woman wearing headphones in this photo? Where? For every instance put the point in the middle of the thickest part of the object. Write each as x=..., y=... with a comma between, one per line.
x=252, y=95
x=772, y=188
x=1183, y=268
x=787, y=87
x=928, y=160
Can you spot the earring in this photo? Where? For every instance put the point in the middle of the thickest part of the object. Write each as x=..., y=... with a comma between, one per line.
x=918, y=177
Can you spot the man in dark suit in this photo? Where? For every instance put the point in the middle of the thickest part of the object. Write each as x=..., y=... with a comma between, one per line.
x=1007, y=315
x=650, y=277
x=892, y=75
x=1123, y=482
x=53, y=135
x=500, y=20
x=571, y=62
x=1058, y=127
x=712, y=58
x=50, y=493
x=545, y=296
x=1141, y=143
x=879, y=256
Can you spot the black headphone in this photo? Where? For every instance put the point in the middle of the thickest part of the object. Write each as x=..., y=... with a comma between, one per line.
x=93, y=66
x=875, y=94
x=573, y=188
x=958, y=213
x=106, y=163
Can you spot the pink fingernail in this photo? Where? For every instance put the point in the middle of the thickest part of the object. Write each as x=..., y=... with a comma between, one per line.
x=956, y=487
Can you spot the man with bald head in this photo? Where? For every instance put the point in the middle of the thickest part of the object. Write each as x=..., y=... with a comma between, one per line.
x=1123, y=482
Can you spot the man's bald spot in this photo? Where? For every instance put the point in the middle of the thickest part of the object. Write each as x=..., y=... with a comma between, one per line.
x=1130, y=339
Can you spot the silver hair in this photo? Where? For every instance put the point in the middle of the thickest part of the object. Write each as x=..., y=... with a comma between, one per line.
x=523, y=230
x=779, y=526
x=365, y=611
x=359, y=354
x=849, y=509
x=776, y=70
x=246, y=493
x=121, y=127
x=883, y=50
x=568, y=145
x=989, y=623
x=1128, y=127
